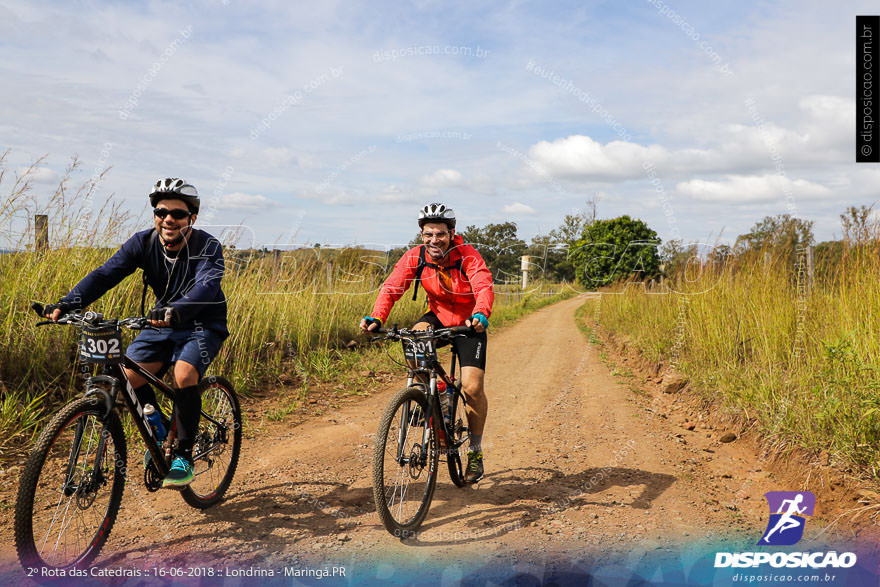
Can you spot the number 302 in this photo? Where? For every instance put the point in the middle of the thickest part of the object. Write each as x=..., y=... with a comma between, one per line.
x=103, y=346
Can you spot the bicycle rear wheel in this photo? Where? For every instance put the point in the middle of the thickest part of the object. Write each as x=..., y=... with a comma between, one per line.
x=404, y=464
x=217, y=445
x=460, y=434
x=71, y=488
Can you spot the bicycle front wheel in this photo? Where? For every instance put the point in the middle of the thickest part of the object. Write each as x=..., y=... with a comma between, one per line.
x=405, y=463
x=217, y=445
x=71, y=487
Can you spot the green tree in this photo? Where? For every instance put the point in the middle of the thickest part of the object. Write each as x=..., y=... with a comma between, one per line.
x=674, y=257
x=720, y=255
x=857, y=225
x=779, y=239
x=552, y=252
x=781, y=233
x=620, y=248
x=548, y=258
x=499, y=246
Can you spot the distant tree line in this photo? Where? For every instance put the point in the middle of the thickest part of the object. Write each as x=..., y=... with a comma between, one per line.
x=596, y=252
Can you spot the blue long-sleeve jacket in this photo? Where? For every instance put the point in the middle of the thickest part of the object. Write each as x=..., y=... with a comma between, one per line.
x=191, y=284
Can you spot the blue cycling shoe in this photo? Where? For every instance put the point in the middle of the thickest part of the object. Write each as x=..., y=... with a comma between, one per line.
x=180, y=475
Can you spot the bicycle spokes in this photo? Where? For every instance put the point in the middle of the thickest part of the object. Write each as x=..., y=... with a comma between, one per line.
x=404, y=470
x=412, y=458
x=71, y=495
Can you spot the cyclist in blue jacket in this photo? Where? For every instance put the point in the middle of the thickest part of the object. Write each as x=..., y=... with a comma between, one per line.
x=183, y=266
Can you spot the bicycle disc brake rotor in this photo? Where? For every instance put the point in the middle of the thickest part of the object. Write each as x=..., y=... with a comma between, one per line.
x=415, y=461
x=88, y=490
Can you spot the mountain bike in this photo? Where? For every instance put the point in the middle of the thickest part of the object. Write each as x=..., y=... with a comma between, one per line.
x=71, y=485
x=414, y=432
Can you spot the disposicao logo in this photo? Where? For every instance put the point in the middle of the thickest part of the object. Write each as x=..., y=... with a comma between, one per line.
x=788, y=512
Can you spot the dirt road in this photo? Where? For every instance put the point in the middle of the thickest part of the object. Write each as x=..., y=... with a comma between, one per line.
x=576, y=464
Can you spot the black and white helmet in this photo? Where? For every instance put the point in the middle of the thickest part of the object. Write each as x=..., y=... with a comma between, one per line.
x=437, y=213
x=174, y=188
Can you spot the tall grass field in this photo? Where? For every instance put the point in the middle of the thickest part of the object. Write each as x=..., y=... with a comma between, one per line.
x=291, y=311
x=800, y=360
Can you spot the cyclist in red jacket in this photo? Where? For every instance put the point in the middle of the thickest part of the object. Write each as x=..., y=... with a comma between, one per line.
x=460, y=292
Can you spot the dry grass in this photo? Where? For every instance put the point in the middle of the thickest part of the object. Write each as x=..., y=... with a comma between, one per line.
x=290, y=313
x=801, y=363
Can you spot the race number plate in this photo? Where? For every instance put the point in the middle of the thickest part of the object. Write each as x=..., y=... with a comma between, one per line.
x=420, y=349
x=100, y=345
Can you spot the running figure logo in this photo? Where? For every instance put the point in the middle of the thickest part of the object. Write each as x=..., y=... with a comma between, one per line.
x=787, y=516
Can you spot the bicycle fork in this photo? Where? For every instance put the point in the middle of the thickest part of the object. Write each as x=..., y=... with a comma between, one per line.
x=406, y=422
x=89, y=478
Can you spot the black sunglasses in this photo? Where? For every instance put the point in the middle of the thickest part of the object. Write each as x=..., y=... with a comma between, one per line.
x=177, y=214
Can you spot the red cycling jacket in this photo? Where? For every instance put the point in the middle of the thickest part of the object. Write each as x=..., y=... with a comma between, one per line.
x=454, y=296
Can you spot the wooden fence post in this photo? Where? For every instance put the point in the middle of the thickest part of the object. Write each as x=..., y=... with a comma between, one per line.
x=41, y=233
x=810, y=267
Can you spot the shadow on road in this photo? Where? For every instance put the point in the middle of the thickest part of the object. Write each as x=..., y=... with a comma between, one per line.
x=284, y=513
x=512, y=496
x=270, y=516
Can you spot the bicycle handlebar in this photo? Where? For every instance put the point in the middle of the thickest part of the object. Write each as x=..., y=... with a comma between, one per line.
x=430, y=334
x=92, y=319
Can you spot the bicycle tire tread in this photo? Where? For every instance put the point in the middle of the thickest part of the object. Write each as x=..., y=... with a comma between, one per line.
x=393, y=527
x=23, y=523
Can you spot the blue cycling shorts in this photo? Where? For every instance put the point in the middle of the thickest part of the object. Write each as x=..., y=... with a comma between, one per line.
x=198, y=347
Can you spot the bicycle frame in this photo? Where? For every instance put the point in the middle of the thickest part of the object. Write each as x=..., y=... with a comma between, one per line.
x=432, y=370
x=113, y=375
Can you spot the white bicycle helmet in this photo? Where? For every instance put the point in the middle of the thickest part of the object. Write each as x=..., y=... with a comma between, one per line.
x=437, y=213
x=177, y=189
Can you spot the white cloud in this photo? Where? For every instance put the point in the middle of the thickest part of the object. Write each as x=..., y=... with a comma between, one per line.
x=442, y=178
x=66, y=80
x=518, y=209
x=393, y=194
x=284, y=157
x=277, y=157
x=38, y=174
x=242, y=201
x=736, y=189
x=333, y=195
x=579, y=156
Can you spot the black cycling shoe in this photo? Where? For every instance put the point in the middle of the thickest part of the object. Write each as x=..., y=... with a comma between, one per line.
x=474, y=471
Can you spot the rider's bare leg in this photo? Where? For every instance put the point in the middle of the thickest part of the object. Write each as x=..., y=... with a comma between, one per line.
x=477, y=404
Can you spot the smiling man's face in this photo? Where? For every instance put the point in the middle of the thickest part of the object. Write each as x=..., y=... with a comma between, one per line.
x=437, y=238
x=169, y=228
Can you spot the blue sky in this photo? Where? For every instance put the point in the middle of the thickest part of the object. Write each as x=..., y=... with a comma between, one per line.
x=334, y=122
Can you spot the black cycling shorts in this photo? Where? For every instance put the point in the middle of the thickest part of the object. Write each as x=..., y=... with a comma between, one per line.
x=471, y=349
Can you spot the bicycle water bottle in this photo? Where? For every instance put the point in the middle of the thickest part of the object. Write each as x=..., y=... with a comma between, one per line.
x=155, y=420
x=444, y=398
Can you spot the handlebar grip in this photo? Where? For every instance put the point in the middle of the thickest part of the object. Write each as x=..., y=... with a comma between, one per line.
x=38, y=308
